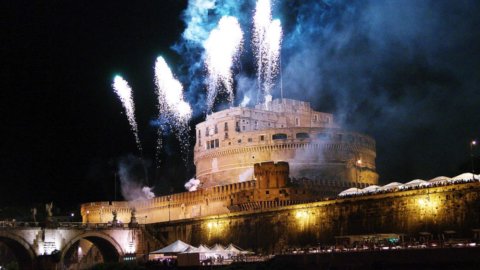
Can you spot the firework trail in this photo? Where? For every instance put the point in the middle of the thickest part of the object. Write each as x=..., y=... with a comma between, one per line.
x=222, y=49
x=124, y=92
x=171, y=105
x=267, y=38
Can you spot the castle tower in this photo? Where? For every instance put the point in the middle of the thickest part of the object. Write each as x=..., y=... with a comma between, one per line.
x=271, y=175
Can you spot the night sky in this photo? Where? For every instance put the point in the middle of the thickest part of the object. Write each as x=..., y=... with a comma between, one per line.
x=405, y=72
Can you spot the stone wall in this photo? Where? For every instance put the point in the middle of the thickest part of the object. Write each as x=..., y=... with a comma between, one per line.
x=435, y=209
x=268, y=191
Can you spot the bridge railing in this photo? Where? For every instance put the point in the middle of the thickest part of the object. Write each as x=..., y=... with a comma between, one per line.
x=63, y=225
x=18, y=224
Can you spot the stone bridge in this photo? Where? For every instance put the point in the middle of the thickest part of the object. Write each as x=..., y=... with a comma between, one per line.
x=37, y=247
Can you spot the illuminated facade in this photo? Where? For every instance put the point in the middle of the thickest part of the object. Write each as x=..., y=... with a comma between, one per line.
x=253, y=158
x=318, y=150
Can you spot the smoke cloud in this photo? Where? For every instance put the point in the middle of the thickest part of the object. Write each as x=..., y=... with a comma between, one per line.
x=402, y=71
x=130, y=169
x=192, y=184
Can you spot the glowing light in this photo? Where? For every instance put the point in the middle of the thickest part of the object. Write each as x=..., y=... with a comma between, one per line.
x=474, y=142
x=215, y=226
x=171, y=104
x=301, y=215
x=124, y=92
x=428, y=203
x=170, y=92
x=267, y=38
x=222, y=49
x=130, y=248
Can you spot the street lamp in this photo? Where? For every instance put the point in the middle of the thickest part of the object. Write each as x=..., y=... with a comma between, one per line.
x=359, y=170
x=473, y=143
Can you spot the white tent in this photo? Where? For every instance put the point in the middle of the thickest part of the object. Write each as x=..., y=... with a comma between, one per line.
x=203, y=248
x=390, y=186
x=370, y=189
x=466, y=176
x=217, y=248
x=191, y=249
x=174, y=248
x=232, y=248
x=349, y=191
x=414, y=183
x=439, y=179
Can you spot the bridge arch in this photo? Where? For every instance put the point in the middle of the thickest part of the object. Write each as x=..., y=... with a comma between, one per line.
x=23, y=251
x=110, y=249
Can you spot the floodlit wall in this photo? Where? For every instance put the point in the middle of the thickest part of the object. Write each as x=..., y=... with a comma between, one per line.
x=269, y=190
x=435, y=209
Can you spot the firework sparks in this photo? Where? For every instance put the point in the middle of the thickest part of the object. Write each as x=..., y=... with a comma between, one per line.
x=222, y=50
x=267, y=38
x=171, y=104
x=124, y=92
x=170, y=93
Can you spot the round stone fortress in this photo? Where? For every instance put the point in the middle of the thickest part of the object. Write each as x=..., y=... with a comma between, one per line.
x=320, y=153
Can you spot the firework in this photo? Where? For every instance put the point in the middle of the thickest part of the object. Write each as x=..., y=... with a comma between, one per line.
x=170, y=93
x=124, y=92
x=171, y=105
x=222, y=49
x=273, y=39
x=267, y=36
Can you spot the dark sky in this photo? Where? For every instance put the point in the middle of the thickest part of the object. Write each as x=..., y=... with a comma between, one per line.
x=405, y=72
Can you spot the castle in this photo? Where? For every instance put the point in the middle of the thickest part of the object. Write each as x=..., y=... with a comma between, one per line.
x=285, y=175
x=275, y=154
x=231, y=141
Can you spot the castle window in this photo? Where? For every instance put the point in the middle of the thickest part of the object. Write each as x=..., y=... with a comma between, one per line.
x=212, y=144
x=297, y=122
x=237, y=126
x=225, y=128
x=315, y=118
x=226, y=135
x=249, y=139
x=216, y=143
x=256, y=124
x=279, y=136
x=302, y=135
x=206, y=131
x=199, y=142
x=216, y=129
x=208, y=145
x=267, y=192
x=239, y=141
x=262, y=137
